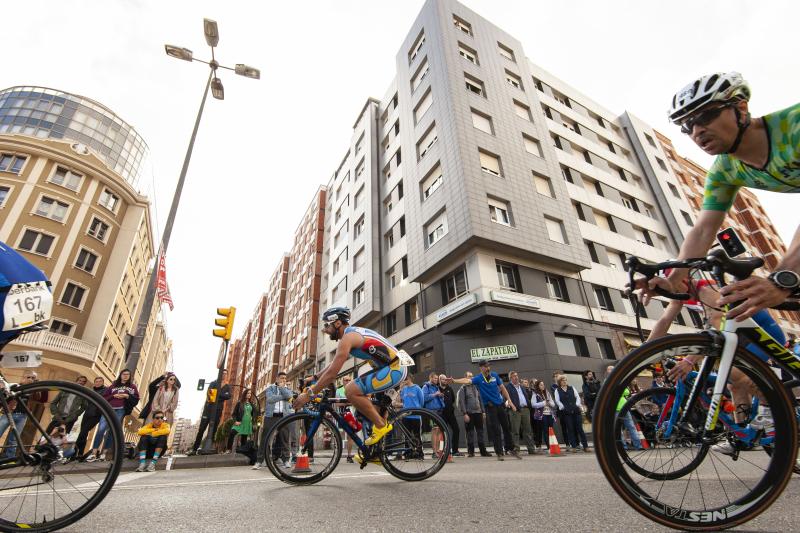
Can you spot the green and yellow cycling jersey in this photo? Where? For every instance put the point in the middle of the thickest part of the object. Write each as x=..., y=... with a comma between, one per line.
x=780, y=174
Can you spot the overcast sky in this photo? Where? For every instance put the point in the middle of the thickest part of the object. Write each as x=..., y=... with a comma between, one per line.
x=262, y=152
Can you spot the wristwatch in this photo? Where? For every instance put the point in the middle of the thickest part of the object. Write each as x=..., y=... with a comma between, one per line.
x=785, y=279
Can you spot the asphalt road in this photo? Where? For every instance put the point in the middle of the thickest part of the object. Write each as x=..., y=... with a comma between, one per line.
x=539, y=493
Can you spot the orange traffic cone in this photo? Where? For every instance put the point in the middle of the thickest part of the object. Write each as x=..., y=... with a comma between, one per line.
x=645, y=445
x=555, y=449
x=301, y=465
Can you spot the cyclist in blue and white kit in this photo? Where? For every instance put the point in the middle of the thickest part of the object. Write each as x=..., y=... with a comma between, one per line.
x=364, y=344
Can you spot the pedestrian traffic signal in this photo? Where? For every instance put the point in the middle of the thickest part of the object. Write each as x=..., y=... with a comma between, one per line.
x=225, y=323
x=201, y=384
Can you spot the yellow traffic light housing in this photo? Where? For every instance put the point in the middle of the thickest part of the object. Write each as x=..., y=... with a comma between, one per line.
x=225, y=323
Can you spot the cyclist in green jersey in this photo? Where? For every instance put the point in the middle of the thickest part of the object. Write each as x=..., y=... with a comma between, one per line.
x=761, y=153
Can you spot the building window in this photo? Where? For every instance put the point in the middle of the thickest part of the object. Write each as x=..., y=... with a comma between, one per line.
x=587, y=157
x=506, y=52
x=12, y=163
x=435, y=230
x=643, y=236
x=416, y=47
x=358, y=198
x=52, y=209
x=86, y=261
x=36, y=242
x=389, y=239
x=513, y=80
x=388, y=204
x=474, y=85
x=562, y=99
x=358, y=260
x=109, y=200
x=391, y=323
x=508, y=276
x=598, y=188
x=603, y=298
x=402, y=224
x=532, y=146
x=543, y=185
x=454, y=285
x=360, y=169
x=490, y=163
x=611, y=147
x=427, y=140
x=482, y=122
x=411, y=311
x=422, y=71
x=60, y=327
x=73, y=295
x=432, y=182
x=661, y=163
x=622, y=175
x=66, y=178
x=687, y=218
x=650, y=140
x=468, y=53
x=566, y=172
x=359, y=295
x=556, y=288
x=4, y=192
x=592, y=252
x=579, y=211
x=571, y=345
x=674, y=191
x=522, y=111
x=358, y=227
x=557, y=142
x=630, y=203
x=98, y=229
x=606, y=348
x=555, y=230
x=499, y=211
x=391, y=279
x=335, y=267
x=423, y=106
x=462, y=25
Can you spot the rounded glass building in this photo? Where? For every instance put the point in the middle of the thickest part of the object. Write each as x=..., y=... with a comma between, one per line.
x=49, y=113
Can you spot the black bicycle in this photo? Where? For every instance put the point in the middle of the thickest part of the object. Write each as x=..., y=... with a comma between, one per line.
x=407, y=452
x=701, y=473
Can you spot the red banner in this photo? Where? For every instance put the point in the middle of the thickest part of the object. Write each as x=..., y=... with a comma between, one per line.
x=162, y=289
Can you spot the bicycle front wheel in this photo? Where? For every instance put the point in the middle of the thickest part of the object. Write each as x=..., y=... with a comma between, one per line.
x=418, y=445
x=722, y=490
x=320, y=438
x=44, y=485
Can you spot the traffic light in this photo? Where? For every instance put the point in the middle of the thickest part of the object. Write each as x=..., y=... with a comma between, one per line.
x=225, y=323
x=730, y=242
x=201, y=384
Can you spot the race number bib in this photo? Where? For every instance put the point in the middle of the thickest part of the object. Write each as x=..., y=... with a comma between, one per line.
x=405, y=359
x=26, y=304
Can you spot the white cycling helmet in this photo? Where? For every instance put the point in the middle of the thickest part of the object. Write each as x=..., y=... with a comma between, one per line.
x=717, y=87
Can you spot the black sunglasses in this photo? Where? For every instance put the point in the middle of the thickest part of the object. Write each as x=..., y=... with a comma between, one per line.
x=702, y=119
x=158, y=418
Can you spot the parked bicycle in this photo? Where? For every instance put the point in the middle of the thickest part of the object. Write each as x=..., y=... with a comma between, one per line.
x=683, y=480
x=406, y=453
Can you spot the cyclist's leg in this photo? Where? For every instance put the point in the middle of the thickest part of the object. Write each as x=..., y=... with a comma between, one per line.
x=379, y=380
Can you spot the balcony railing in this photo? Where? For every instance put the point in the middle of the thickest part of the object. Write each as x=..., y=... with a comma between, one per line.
x=47, y=340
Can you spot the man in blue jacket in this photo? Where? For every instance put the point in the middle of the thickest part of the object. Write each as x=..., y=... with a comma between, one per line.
x=434, y=400
x=412, y=396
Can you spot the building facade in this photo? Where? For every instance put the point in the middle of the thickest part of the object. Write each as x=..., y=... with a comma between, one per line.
x=67, y=208
x=272, y=326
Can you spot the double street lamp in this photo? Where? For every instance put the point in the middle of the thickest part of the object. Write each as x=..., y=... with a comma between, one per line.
x=211, y=32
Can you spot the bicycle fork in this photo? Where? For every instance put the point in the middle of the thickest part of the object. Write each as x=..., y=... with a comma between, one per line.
x=724, y=370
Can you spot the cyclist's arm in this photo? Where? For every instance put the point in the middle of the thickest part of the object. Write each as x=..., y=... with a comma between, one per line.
x=328, y=375
x=662, y=324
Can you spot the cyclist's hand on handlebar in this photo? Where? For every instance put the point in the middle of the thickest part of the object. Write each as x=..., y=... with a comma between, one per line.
x=300, y=401
x=646, y=289
x=755, y=294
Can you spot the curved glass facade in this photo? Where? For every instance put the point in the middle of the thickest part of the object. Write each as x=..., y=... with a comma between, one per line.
x=48, y=113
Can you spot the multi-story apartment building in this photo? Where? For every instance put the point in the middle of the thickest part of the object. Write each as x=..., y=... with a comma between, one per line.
x=298, y=348
x=272, y=326
x=67, y=202
x=747, y=217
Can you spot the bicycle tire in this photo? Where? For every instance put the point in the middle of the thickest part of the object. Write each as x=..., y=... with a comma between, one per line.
x=768, y=449
x=635, y=465
x=436, y=465
x=287, y=476
x=756, y=500
x=111, y=476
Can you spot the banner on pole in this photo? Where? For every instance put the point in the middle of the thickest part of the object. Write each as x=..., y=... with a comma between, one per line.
x=161, y=282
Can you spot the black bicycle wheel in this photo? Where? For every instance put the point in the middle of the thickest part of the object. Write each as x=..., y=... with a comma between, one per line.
x=659, y=457
x=768, y=449
x=42, y=485
x=286, y=439
x=722, y=491
x=409, y=453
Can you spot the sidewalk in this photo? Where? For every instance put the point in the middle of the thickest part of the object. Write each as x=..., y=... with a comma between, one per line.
x=195, y=461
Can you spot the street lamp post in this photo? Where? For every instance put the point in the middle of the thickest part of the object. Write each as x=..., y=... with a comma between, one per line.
x=211, y=33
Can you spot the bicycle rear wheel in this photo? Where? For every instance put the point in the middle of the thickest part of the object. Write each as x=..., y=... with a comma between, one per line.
x=418, y=446
x=288, y=437
x=661, y=457
x=720, y=492
x=42, y=485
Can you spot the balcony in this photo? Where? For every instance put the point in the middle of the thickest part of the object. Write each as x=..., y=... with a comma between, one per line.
x=46, y=340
